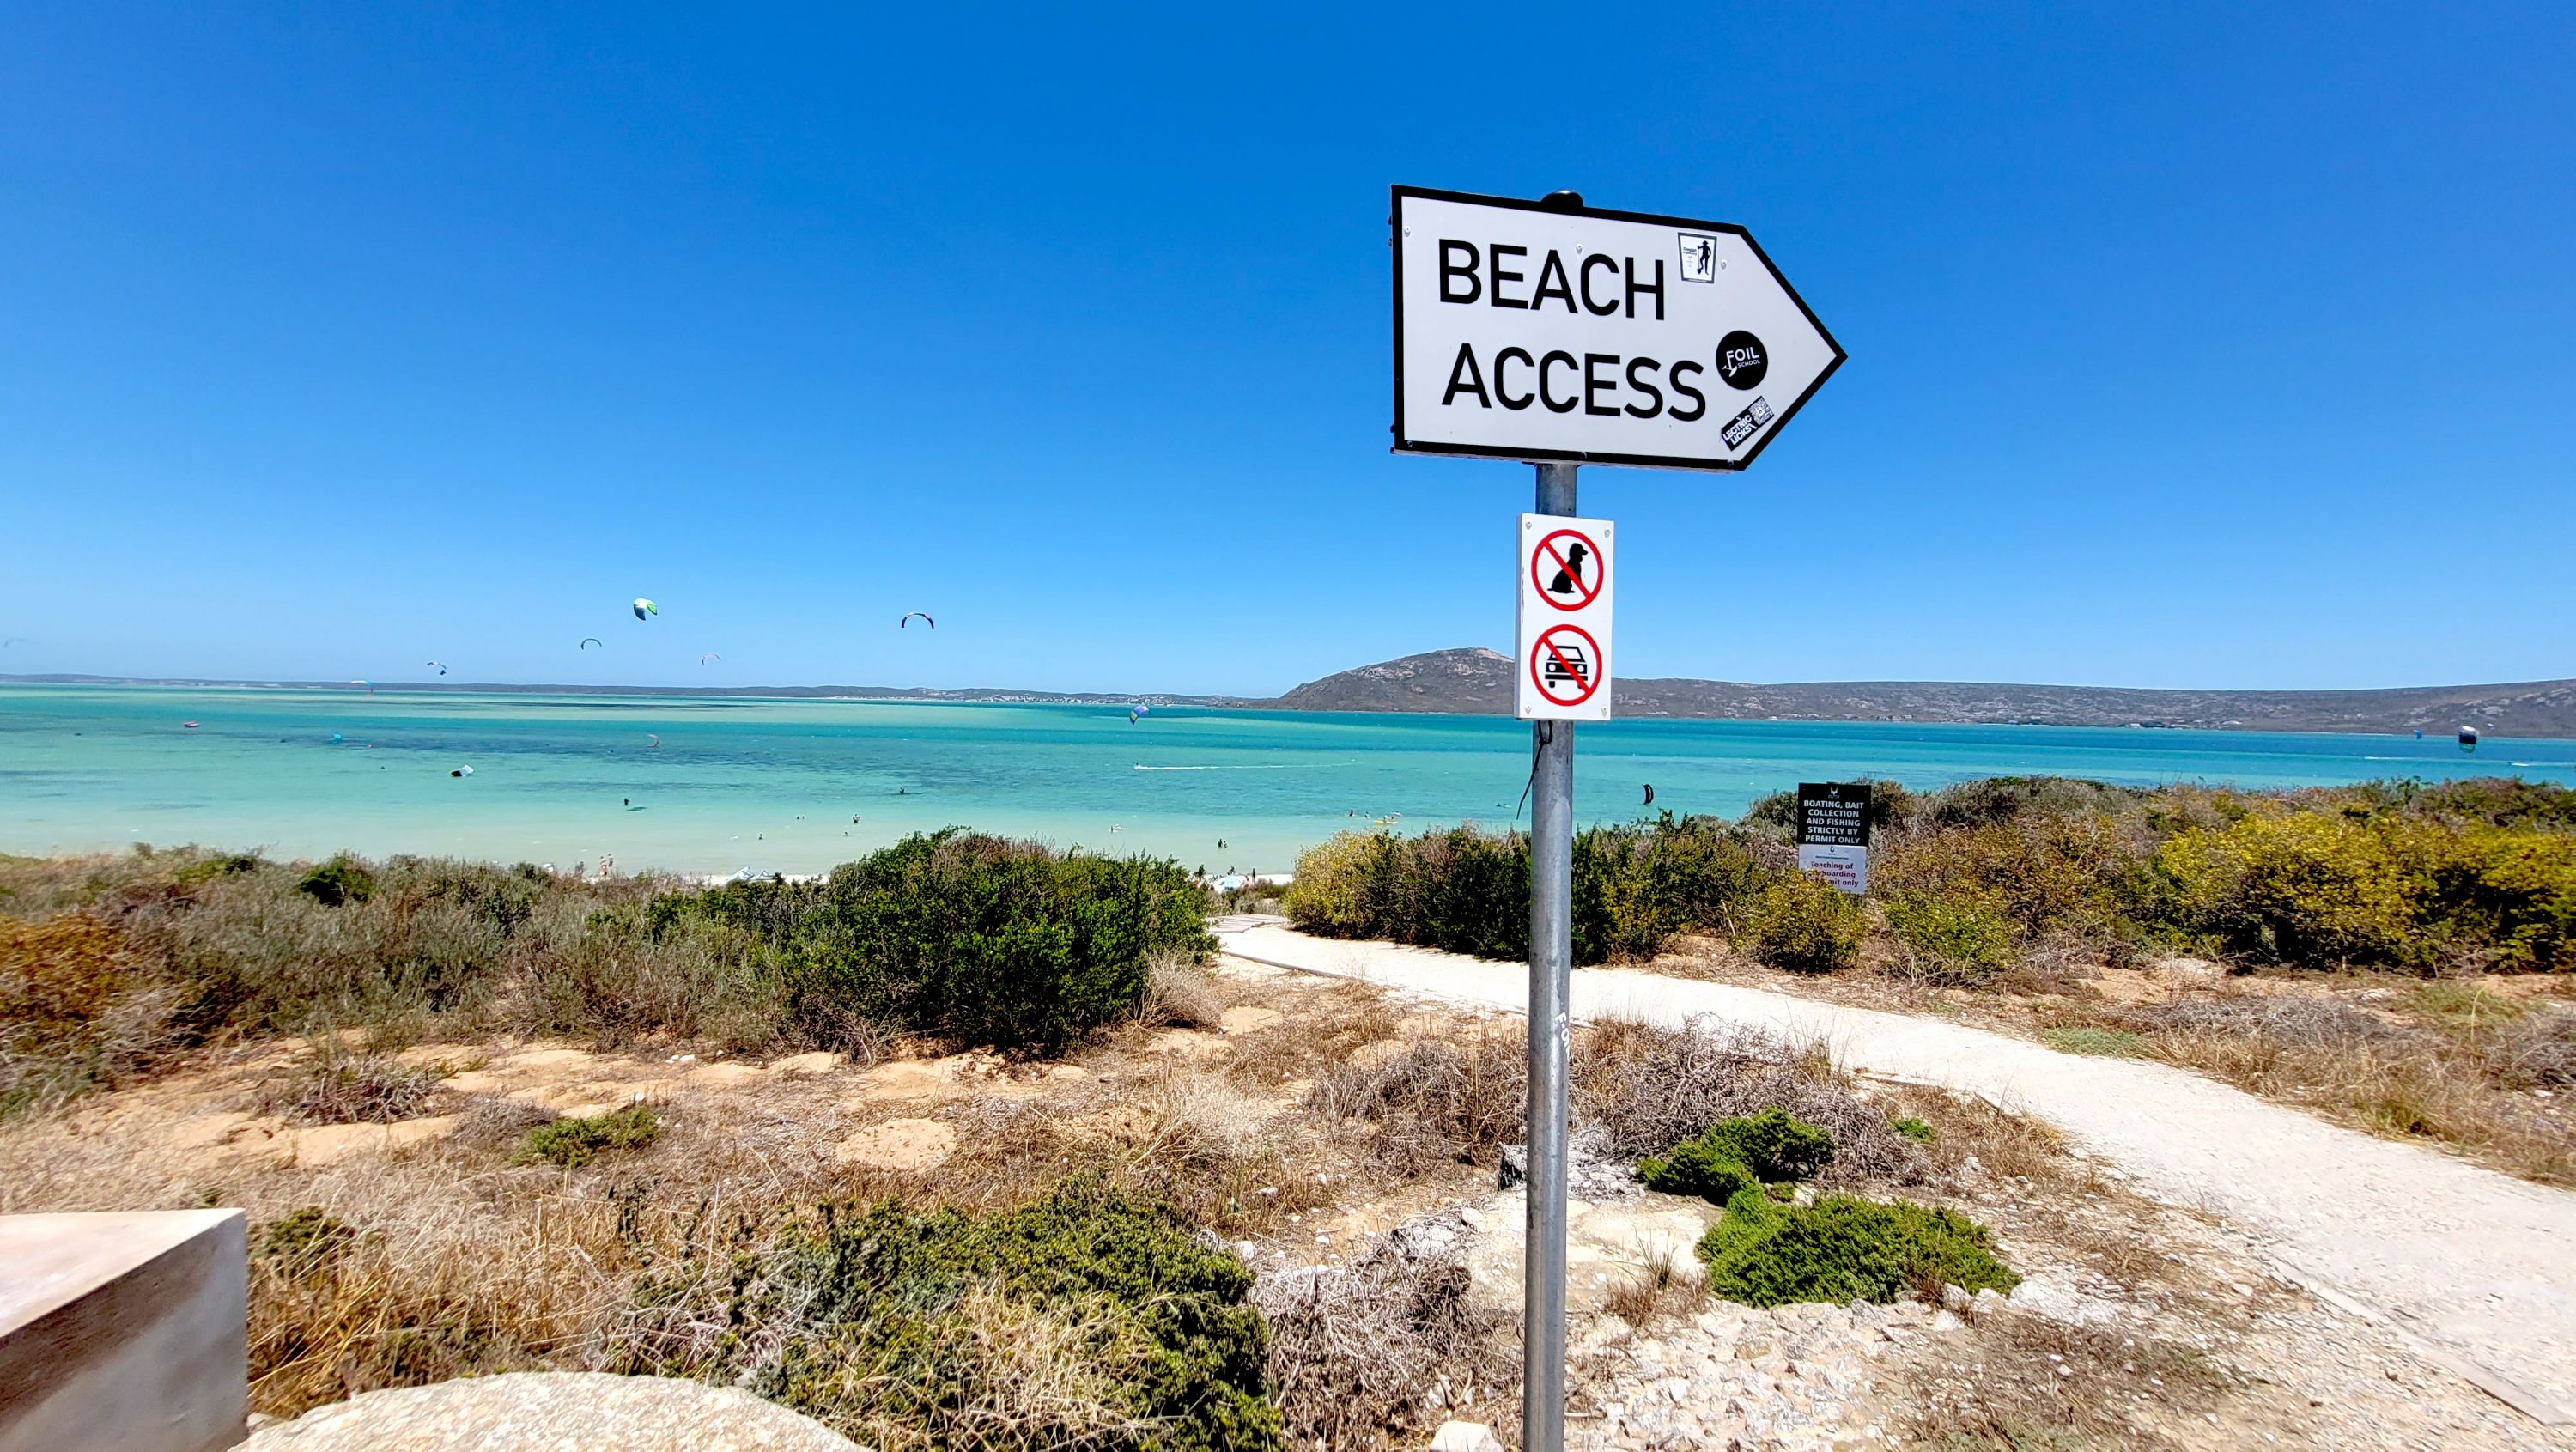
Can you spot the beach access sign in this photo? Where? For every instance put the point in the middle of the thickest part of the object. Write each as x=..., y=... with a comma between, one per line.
x=1833, y=832
x=1563, y=565
x=1530, y=331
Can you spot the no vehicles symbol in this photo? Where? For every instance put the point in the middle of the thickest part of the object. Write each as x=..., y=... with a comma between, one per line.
x=1568, y=569
x=1566, y=665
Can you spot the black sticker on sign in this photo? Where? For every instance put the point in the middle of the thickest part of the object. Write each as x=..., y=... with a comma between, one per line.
x=1833, y=814
x=1742, y=360
x=1742, y=426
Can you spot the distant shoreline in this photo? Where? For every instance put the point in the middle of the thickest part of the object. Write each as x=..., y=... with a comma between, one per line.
x=1477, y=682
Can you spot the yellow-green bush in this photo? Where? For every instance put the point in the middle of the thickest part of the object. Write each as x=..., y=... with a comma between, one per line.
x=2303, y=888
x=1951, y=937
x=1805, y=924
x=2504, y=897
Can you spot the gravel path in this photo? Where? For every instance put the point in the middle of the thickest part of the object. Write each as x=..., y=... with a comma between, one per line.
x=2478, y=1268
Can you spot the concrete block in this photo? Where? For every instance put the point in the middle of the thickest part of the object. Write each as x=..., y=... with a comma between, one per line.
x=124, y=1332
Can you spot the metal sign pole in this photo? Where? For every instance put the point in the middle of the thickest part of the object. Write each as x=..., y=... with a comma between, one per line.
x=1550, y=956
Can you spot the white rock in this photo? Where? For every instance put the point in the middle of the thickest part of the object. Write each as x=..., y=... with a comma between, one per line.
x=1465, y=1437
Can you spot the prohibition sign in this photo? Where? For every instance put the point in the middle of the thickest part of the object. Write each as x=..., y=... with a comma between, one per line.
x=1572, y=661
x=1552, y=558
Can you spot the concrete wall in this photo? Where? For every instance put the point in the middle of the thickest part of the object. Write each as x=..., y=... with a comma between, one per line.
x=123, y=1332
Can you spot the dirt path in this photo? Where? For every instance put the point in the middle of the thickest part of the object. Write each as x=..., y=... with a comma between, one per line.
x=2477, y=1267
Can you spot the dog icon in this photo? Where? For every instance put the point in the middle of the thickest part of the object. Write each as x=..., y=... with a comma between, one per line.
x=1569, y=580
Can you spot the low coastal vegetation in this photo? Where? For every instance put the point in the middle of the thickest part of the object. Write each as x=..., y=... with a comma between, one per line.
x=1970, y=881
x=2371, y=951
x=112, y=965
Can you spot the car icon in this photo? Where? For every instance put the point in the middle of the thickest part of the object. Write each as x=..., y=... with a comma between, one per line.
x=1565, y=663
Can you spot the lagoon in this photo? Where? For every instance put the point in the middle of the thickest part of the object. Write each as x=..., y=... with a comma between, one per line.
x=769, y=784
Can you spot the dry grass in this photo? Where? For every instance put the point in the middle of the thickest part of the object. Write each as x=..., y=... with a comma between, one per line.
x=1374, y=1353
x=1648, y=1088
x=2453, y=1070
x=1179, y=992
x=1672, y=1286
x=2023, y=1383
x=333, y=1087
x=1452, y=1100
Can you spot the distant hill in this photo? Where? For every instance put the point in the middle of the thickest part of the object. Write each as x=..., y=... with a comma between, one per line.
x=1480, y=681
x=1475, y=681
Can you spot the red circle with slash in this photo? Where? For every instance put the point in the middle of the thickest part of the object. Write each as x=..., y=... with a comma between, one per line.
x=1551, y=553
x=1569, y=657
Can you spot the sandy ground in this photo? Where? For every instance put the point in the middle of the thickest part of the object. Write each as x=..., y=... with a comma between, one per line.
x=2478, y=1269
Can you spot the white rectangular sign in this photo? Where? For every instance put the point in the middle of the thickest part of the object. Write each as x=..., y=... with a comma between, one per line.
x=1562, y=672
x=1846, y=867
x=1528, y=332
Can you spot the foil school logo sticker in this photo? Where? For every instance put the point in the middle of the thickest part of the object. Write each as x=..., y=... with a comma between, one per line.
x=1741, y=361
x=1565, y=333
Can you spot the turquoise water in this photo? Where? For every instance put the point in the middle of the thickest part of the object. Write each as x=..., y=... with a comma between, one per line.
x=777, y=784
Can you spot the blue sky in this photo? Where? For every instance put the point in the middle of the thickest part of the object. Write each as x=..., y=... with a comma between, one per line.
x=2190, y=345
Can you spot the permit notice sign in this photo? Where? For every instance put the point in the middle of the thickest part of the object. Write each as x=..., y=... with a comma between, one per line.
x=1833, y=832
x=1563, y=670
x=1524, y=331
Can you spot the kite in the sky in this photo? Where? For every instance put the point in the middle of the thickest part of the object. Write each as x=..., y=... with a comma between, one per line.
x=710, y=655
x=906, y=622
x=1138, y=710
x=442, y=670
x=1650, y=794
x=652, y=742
x=2468, y=738
x=588, y=641
x=370, y=685
x=646, y=607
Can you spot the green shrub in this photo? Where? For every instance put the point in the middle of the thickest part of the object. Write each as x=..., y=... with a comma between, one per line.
x=1773, y=1146
x=1913, y=1129
x=1842, y=1249
x=927, y=1330
x=2099, y=1042
x=1466, y=890
x=973, y=938
x=1951, y=939
x=302, y=1240
x=340, y=880
x=1804, y=924
x=575, y=1142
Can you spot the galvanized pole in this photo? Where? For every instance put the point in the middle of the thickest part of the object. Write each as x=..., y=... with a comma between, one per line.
x=1551, y=955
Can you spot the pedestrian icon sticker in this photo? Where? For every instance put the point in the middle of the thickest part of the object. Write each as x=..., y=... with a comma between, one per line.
x=1699, y=257
x=1566, y=667
x=1568, y=569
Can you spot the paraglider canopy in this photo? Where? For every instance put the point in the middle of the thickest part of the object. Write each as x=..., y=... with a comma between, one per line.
x=646, y=607
x=910, y=616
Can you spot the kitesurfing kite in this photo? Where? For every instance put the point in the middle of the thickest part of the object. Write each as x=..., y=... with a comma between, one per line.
x=906, y=622
x=462, y=771
x=588, y=641
x=371, y=689
x=652, y=742
x=1650, y=794
x=1135, y=711
x=442, y=670
x=2468, y=738
x=646, y=607
x=710, y=655
x=13, y=640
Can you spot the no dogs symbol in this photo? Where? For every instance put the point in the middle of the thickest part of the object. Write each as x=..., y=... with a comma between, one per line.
x=1566, y=665
x=1568, y=569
